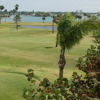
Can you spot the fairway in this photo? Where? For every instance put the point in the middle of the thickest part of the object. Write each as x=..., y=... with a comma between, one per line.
x=32, y=48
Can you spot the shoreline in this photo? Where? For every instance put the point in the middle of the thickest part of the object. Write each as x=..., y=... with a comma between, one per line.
x=30, y=23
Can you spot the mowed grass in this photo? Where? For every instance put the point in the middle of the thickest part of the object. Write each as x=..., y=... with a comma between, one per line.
x=32, y=48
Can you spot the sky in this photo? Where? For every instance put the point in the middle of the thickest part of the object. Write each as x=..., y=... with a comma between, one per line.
x=53, y=5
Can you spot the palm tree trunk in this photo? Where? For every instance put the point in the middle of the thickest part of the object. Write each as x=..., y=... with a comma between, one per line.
x=52, y=27
x=57, y=40
x=56, y=44
x=0, y=20
x=5, y=19
x=61, y=62
x=16, y=26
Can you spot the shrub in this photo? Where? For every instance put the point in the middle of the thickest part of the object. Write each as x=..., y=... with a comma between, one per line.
x=81, y=88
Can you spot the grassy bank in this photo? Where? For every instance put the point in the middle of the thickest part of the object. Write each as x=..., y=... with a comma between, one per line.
x=32, y=48
x=30, y=23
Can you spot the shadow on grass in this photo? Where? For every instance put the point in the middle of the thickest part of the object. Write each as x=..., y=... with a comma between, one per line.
x=22, y=73
x=48, y=47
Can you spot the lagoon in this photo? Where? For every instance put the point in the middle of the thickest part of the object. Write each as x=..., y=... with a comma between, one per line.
x=41, y=27
x=28, y=19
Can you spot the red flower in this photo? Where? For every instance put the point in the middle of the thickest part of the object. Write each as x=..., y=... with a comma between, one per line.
x=69, y=89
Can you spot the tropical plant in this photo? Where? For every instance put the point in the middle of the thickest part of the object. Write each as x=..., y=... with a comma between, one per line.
x=43, y=18
x=81, y=88
x=5, y=12
x=70, y=33
x=88, y=15
x=90, y=64
x=78, y=17
x=55, y=20
x=17, y=19
x=1, y=8
x=16, y=7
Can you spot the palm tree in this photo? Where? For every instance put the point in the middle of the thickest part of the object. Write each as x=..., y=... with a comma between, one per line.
x=16, y=7
x=43, y=18
x=5, y=12
x=14, y=11
x=17, y=17
x=70, y=33
x=1, y=8
x=55, y=20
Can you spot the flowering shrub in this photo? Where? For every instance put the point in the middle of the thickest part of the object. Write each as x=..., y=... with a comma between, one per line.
x=80, y=88
x=91, y=66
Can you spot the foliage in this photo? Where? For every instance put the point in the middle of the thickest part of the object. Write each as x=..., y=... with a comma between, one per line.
x=78, y=16
x=1, y=7
x=17, y=18
x=91, y=66
x=81, y=88
x=16, y=7
x=43, y=18
x=71, y=32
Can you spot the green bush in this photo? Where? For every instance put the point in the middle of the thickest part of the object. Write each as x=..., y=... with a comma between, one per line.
x=80, y=88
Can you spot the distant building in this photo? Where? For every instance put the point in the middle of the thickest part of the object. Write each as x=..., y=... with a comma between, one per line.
x=77, y=11
x=81, y=11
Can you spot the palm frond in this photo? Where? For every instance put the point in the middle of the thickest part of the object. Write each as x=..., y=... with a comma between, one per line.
x=71, y=32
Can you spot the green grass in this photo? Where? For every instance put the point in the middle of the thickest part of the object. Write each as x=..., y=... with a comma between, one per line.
x=32, y=48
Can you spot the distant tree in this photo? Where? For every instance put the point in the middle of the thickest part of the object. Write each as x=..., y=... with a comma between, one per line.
x=14, y=11
x=78, y=17
x=1, y=8
x=5, y=12
x=43, y=18
x=88, y=15
x=16, y=7
x=55, y=20
x=44, y=15
x=17, y=17
x=73, y=13
x=85, y=14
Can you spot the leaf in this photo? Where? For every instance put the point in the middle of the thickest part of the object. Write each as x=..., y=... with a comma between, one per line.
x=92, y=47
x=41, y=96
x=45, y=80
x=30, y=70
x=57, y=91
x=28, y=78
x=88, y=51
x=80, y=59
x=74, y=73
x=50, y=96
x=98, y=48
x=33, y=81
x=65, y=79
x=31, y=75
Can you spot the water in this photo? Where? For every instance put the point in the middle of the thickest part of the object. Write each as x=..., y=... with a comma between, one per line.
x=41, y=27
x=28, y=19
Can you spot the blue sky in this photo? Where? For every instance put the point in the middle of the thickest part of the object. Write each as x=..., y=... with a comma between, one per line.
x=53, y=5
